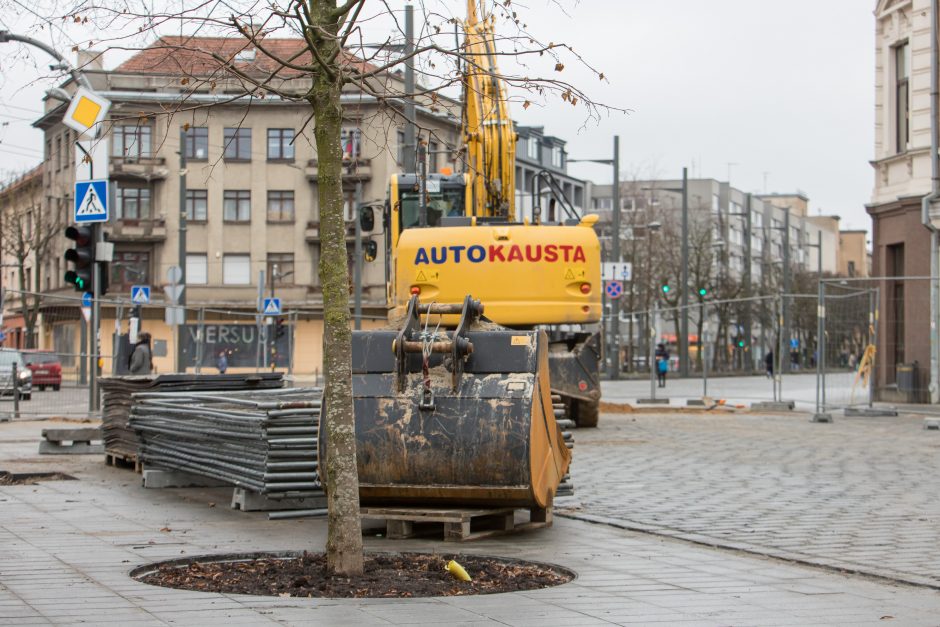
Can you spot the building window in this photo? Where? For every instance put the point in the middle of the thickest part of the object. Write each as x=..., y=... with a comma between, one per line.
x=281, y=268
x=131, y=141
x=197, y=202
x=533, y=148
x=236, y=205
x=557, y=157
x=351, y=139
x=716, y=203
x=902, y=95
x=197, y=269
x=197, y=143
x=58, y=154
x=129, y=268
x=236, y=270
x=281, y=206
x=280, y=143
x=851, y=269
x=432, y=156
x=133, y=203
x=66, y=144
x=237, y=142
x=400, y=136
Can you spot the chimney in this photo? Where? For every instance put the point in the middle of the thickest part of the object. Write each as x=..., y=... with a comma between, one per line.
x=90, y=60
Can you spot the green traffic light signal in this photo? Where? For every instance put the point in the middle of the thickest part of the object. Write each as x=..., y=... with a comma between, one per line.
x=666, y=289
x=702, y=291
x=740, y=343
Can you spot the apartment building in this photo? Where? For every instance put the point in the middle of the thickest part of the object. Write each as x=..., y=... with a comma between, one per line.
x=542, y=170
x=249, y=201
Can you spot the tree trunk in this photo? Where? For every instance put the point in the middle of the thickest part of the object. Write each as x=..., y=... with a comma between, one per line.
x=344, y=542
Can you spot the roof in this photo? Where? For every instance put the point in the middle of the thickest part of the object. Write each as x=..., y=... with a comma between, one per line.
x=196, y=56
x=33, y=177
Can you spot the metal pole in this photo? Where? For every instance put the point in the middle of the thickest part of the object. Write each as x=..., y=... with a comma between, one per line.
x=357, y=266
x=16, y=390
x=651, y=316
x=614, y=365
x=701, y=350
x=785, y=309
x=200, y=339
x=83, y=351
x=820, y=337
x=181, y=235
x=748, y=286
x=259, y=328
x=410, y=148
x=94, y=400
x=684, y=280
x=291, y=325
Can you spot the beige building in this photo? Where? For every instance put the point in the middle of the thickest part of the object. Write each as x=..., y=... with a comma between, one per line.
x=901, y=241
x=250, y=199
x=854, y=258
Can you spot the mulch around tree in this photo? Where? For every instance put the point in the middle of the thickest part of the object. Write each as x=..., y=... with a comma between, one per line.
x=31, y=478
x=386, y=575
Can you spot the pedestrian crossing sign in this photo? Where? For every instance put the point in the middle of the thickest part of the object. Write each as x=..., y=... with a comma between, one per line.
x=272, y=306
x=91, y=201
x=140, y=294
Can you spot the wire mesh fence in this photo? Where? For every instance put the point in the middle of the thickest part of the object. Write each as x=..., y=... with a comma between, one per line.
x=49, y=336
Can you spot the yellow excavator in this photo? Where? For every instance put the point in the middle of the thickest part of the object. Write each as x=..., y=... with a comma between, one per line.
x=456, y=402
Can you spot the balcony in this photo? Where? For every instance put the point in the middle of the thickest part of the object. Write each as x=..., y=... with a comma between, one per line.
x=354, y=170
x=139, y=168
x=312, y=232
x=137, y=231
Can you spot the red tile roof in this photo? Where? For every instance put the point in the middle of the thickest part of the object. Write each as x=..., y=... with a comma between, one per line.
x=195, y=56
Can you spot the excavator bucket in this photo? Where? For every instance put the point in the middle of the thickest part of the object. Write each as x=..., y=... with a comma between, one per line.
x=461, y=416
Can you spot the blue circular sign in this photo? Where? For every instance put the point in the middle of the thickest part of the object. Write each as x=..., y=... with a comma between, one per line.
x=87, y=299
x=614, y=289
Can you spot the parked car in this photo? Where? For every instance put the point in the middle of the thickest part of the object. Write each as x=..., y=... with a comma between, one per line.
x=46, y=368
x=7, y=359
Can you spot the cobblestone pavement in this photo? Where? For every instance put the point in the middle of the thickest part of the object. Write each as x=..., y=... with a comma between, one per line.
x=66, y=548
x=860, y=494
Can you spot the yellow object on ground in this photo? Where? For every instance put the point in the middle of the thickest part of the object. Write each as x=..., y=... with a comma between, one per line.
x=457, y=571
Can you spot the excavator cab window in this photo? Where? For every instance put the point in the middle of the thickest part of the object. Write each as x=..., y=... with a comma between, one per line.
x=449, y=201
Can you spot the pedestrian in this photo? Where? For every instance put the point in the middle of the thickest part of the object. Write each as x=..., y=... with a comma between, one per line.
x=769, y=363
x=662, y=364
x=141, y=359
x=222, y=362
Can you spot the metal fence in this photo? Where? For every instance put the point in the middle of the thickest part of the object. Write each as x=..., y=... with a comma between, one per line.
x=237, y=339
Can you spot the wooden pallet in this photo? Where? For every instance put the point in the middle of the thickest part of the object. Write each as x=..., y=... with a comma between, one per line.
x=460, y=524
x=119, y=460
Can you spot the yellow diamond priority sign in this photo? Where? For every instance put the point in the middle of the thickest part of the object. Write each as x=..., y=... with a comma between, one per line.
x=85, y=110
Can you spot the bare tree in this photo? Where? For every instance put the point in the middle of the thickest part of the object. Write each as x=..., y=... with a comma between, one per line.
x=26, y=237
x=330, y=55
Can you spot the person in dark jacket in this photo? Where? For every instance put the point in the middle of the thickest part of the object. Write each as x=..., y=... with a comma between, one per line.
x=662, y=364
x=141, y=361
x=769, y=363
x=222, y=362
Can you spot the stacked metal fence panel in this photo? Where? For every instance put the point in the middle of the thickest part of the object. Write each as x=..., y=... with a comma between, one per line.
x=117, y=399
x=261, y=440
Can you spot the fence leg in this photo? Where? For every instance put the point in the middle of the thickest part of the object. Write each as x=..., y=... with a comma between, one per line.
x=821, y=415
x=16, y=392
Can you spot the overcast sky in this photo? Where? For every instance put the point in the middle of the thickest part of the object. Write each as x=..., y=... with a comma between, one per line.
x=783, y=91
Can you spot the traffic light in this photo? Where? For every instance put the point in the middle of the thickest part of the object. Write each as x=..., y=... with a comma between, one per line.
x=740, y=343
x=82, y=256
x=666, y=288
x=702, y=291
x=279, y=328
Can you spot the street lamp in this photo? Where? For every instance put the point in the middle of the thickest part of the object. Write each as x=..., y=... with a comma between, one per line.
x=613, y=343
x=651, y=228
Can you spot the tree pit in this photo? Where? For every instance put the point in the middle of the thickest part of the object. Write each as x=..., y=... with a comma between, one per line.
x=385, y=575
x=31, y=478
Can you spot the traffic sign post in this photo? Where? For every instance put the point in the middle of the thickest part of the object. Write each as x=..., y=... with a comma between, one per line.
x=86, y=110
x=613, y=289
x=272, y=307
x=91, y=201
x=140, y=294
x=617, y=271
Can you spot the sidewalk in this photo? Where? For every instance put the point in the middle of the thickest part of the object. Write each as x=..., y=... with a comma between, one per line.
x=66, y=548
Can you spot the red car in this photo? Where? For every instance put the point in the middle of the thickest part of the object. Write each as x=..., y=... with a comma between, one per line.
x=46, y=368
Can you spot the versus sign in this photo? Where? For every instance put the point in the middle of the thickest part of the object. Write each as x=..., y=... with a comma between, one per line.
x=495, y=253
x=239, y=341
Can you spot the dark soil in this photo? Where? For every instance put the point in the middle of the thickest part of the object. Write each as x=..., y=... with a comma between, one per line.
x=394, y=575
x=31, y=478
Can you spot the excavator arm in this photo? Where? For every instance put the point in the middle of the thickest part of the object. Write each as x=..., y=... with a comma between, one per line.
x=488, y=129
